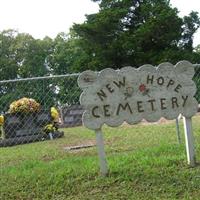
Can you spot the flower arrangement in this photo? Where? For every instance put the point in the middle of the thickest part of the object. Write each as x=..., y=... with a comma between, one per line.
x=54, y=114
x=28, y=105
x=1, y=120
x=24, y=105
x=49, y=128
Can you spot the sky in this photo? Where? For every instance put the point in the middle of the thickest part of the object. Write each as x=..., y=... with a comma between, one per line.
x=42, y=18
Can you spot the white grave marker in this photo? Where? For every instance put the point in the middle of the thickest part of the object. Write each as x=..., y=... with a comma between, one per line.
x=130, y=95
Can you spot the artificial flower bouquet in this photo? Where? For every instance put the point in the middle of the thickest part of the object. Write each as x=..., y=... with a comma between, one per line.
x=24, y=105
x=20, y=108
x=26, y=118
x=1, y=120
x=53, y=126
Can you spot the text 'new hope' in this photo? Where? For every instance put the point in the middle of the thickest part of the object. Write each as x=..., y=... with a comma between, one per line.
x=146, y=103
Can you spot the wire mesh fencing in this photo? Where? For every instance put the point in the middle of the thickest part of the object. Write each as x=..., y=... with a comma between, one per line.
x=36, y=109
x=197, y=81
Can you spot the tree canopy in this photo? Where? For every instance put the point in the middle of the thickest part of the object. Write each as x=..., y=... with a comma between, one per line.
x=135, y=32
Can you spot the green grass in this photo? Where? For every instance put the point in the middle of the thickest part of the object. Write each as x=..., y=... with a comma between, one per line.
x=145, y=162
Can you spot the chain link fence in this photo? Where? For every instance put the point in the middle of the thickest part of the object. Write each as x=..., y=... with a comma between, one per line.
x=197, y=81
x=56, y=99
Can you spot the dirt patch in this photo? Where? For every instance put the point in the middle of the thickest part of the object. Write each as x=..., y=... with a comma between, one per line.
x=80, y=146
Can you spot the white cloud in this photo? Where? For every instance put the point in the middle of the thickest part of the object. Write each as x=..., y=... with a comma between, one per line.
x=44, y=17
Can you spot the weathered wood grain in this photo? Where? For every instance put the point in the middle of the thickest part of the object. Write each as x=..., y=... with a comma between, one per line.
x=112, y=97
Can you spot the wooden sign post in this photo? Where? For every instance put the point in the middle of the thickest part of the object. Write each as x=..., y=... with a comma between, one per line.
x=101, y=152
x=189, y=141
x=129, y=95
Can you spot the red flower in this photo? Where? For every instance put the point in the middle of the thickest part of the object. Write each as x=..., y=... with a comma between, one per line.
x=142, y=88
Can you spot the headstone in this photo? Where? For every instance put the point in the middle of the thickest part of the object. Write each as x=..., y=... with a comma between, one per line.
x=43, y=118
x=20, y=124
x=72, y=116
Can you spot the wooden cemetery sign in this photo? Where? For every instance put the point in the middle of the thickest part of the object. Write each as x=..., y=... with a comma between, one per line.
x=130, y=95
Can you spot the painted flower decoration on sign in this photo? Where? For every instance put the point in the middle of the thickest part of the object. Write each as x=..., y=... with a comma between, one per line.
x=142, y=88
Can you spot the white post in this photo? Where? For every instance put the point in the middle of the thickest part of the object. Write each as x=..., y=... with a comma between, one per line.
x=51, y=136
x=101, y=153
x=189, y=141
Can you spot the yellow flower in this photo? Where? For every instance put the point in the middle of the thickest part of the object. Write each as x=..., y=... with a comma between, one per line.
x=54, y=114
x=1, y=120
x=49, y=128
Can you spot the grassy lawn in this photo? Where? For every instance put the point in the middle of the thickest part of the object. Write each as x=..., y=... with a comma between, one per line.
x=145, y=162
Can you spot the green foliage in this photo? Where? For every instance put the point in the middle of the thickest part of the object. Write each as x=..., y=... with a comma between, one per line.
x=35, y=54
x=8, y=58
x=136, y=32
x=59, y=59
x=23, y=56
x=191, y=25
x=197, y=49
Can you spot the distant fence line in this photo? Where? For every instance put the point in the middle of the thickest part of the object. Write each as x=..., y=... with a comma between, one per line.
x=55, y=76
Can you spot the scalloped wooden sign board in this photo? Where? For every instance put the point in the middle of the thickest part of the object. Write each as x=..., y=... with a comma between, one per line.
x=129, y=95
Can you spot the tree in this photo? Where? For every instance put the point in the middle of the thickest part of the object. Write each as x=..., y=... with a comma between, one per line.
x=22, y=56
x=8, y=58
x=9, y=63
x=135, y=32
x=59, y=60
x=65, y=55
x=197, y=49
x=33, y=55
x=191, y=25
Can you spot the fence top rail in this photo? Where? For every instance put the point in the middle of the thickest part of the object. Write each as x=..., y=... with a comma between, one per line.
x=40, y=78
x=196, y=65
x=51, y=77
